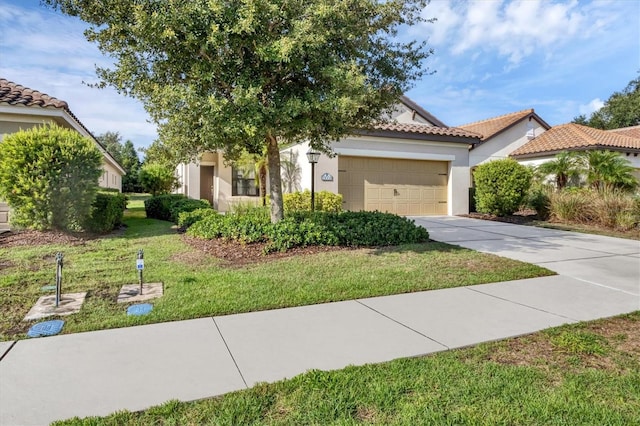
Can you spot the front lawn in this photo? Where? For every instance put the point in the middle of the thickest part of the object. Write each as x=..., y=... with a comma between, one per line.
x=580, y=374
x=198, y=285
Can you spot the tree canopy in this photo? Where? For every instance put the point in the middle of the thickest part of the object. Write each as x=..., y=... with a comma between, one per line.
x=622, y=109
x=252, y=74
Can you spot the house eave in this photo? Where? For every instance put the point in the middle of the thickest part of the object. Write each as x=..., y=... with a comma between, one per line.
x=417, y=136
x=530, y=116
x=51, y=112
x=552, y=153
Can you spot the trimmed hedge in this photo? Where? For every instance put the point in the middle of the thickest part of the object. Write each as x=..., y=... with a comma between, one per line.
x=106, y=212
x=169, y=206
x=304, y=229
x=301, y=201
x=159, y=207
x=186, y=205
x=188, y=218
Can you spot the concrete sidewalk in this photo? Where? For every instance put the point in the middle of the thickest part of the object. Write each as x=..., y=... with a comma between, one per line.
x=133, y=368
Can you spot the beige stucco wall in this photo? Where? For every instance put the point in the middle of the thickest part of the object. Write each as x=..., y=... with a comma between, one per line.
x=223, y=198
x=457, y=155
x=404, y=114
x=503, y=144
x=189, y=177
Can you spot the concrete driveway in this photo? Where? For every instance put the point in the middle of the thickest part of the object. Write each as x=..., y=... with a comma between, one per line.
x=603, y=261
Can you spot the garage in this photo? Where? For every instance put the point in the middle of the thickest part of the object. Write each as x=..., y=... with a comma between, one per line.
x=404, y=187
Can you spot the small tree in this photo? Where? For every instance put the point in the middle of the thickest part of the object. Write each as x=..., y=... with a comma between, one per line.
x=563, y=168
x=49, y=176
x=608, y=169
x=157, y=179
x=501, y=186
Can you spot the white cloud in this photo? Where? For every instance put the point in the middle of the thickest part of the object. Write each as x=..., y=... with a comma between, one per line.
x=511, y=29
x=591, y=107
x=59, y=63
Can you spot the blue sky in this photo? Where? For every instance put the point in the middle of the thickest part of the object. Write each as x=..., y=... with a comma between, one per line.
x=562, y=58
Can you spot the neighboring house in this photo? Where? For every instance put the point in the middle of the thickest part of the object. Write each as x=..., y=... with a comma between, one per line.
x=504, y=134
x=22, y=108
x=575, y=137
x=415, y=165
x=632, y=131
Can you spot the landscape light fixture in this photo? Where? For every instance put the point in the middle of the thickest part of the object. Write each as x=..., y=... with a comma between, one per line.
x=313, y=157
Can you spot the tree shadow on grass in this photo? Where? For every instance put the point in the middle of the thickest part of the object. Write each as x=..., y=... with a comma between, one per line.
x=431, y=246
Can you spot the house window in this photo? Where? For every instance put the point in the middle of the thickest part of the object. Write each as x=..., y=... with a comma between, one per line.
x=244, y=182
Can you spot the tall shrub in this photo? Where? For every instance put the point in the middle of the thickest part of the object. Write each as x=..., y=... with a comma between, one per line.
x=501, y=186
x=49, y=176
x=107, y=211
x=157, y=179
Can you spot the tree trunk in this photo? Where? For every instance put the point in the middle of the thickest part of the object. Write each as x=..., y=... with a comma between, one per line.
x=263, y=182
x=275, y=182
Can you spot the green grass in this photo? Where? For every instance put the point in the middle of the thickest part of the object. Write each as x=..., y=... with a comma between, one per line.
x=196, y=285
x=530, y=380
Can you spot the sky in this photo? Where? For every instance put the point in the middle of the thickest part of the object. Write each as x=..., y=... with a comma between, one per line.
x=491, y=57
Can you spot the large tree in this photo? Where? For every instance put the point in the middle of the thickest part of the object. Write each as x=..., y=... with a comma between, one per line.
x=131, y=164
x=126, y=155
x=622, y=109
x=112, y=142
x=248, y=75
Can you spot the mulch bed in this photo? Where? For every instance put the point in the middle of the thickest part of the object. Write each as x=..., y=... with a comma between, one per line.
x=520, y=218
x=236, y=254
x=37, y=238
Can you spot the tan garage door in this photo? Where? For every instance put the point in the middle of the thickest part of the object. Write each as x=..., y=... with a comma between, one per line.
x=405, y=187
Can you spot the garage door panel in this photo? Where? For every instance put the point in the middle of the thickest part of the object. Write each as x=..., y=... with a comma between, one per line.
x=405, y=187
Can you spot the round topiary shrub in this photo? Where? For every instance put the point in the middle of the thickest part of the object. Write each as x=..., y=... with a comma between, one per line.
x=49, y=176
x=501, y=186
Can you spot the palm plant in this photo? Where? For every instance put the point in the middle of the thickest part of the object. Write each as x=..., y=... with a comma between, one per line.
x=563, y=168
x=291, y=171
x=608, y=169
x=257, y=164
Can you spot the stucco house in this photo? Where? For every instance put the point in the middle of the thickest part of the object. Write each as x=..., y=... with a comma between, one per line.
x=413, y=165
x=575, y=137
x=504, y=134
x=22, y=108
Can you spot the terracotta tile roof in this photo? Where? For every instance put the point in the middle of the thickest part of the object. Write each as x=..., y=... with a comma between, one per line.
x=425, y=129
x=575, y=137
x=15, y=94
x=492, y=126
x=633, y=131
